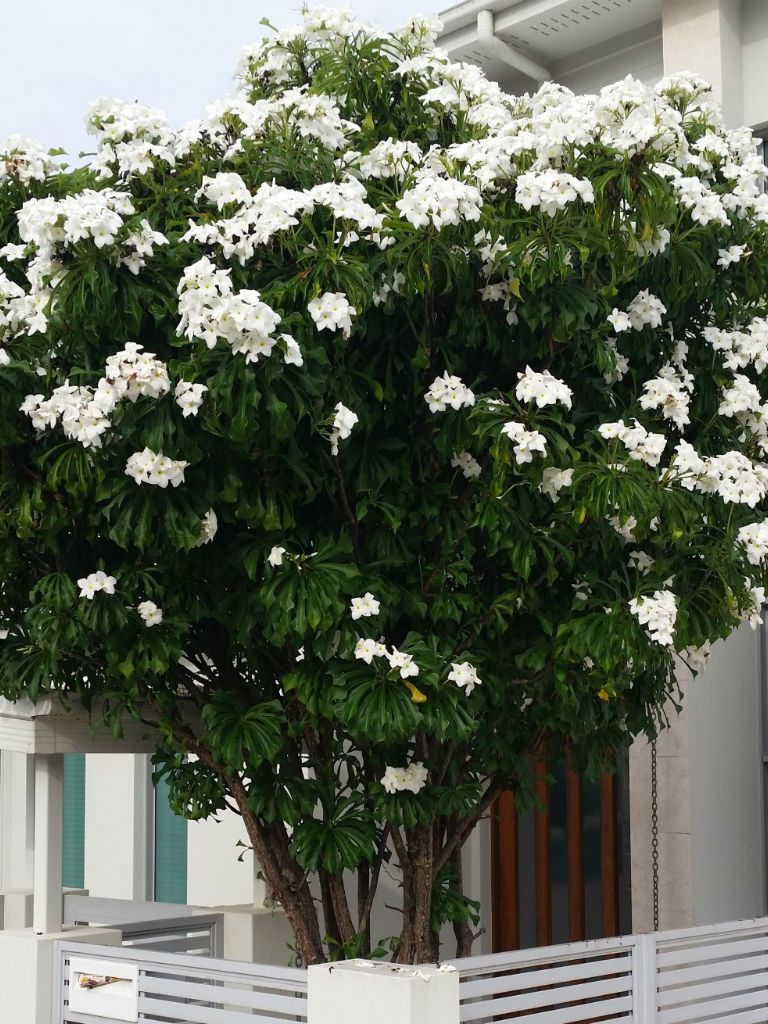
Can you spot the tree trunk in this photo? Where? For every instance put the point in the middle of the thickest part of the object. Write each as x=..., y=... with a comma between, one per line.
x=287, y=879
x=461, y=929
x=417, y=940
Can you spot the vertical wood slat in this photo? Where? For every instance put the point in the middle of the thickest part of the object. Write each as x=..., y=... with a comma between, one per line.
x=543, y=856
x=575, y=854
x=609, y=873
x=505, y=874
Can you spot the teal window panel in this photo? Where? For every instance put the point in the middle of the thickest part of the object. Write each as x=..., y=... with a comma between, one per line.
x=170, y=850
x=73, y=865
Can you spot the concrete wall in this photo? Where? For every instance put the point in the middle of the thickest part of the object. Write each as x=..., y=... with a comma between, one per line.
x=117, y=826
x=754, y=41
x=214, y=874
x=725, y=780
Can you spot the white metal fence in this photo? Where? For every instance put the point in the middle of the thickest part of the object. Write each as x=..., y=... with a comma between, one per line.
x=714, y=975
x=175, y=989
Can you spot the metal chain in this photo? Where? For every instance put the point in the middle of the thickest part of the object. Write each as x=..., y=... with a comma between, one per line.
x=655, y=837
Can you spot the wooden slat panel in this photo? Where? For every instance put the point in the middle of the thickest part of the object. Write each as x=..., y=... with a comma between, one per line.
x=543, y=856
x=505, y=874
x=575, y=854
x=591, y=990
x=714, y=1008
x=579, y=971
x=609, y=874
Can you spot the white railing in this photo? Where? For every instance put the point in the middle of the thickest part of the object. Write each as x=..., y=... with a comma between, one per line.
x=715, y=975
x=188, y=989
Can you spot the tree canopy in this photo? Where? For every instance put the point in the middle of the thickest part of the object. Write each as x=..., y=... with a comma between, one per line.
x=376, y=432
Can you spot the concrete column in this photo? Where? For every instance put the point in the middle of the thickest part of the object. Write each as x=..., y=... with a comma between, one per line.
x=382, y=993
x=674, y=826
x=117, y=826
x=215, y=841
x=49, y=793
x=704, y=36
x=17, y=820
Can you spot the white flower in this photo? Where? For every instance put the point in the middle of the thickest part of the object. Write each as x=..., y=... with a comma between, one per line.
x=619, y=321
x=754, y=537
x=343, y=422
x=753, y=613
x=642, y=445
x=553, y=480
x=366, y=650
x=542, y=388
x=658, y=614
x=551, y=190
x=524, y=442
x=148, y=467
x=448, y=390
x=364, y=607
x=189, y=397
x=403, y=662
x=292, y=355
x=275, y=556
x=465, y=676
x=332, y=311
x=641, y=561
x=469, y=466
x=209, y=526
x=96, y=582
x=733, y=254
x=150, y=614
x=644, y=309
x=412, y=778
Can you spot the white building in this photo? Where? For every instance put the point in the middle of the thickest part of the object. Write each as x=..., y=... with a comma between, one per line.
x=121, y=839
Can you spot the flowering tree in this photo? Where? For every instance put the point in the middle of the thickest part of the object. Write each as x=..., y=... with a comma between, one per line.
x=378, y=431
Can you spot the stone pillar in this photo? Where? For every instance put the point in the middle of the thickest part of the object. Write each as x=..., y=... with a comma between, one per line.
x=117, y=826
x=704, y=36
x=674, y=825
x=367, y=991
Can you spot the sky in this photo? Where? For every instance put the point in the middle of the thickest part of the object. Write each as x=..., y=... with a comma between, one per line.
x=57, y=56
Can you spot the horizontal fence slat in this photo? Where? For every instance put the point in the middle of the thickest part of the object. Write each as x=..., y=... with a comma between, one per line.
x=220, y=994
x=190, y=1013
x=474, y=987
x=712, y=989
x=555, y=1015
x=718, y=951
x=522, y=958
x=729, y=968
x=714, y=1008
x=594, y=991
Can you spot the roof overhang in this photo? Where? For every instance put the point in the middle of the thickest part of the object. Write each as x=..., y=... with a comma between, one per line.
x=49, y=727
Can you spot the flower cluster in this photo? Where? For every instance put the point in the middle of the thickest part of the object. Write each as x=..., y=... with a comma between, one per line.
x=642, y=445
x=448, y=390
x=465, y=676
x=754, y=537
x=95, y=583
x=364, y=607
x=149, y=613
x=468, y=465
x=658, y=614
x=148, y=467
x=551, y=190
x=542, y=388
x=413, y=778
x=440, y=201
x=553, y=480
x=525, y=443
x=61, y=223
x=343, y=422
x=645, y=310
x=189, y=397
x=24, y=160
x=332, y=312
x=366, y=650
x=669, y=393
x=212, y=310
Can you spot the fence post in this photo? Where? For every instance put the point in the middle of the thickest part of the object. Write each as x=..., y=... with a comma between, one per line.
x=644, y=984
x=372, y=992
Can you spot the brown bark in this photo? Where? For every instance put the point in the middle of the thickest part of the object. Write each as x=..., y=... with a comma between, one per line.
x=417, y=940
x=331, y=926
x=461, y=929
x=287, y=879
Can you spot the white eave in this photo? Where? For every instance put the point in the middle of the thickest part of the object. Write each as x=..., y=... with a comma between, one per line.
x=531, y=37
x=50, y=728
